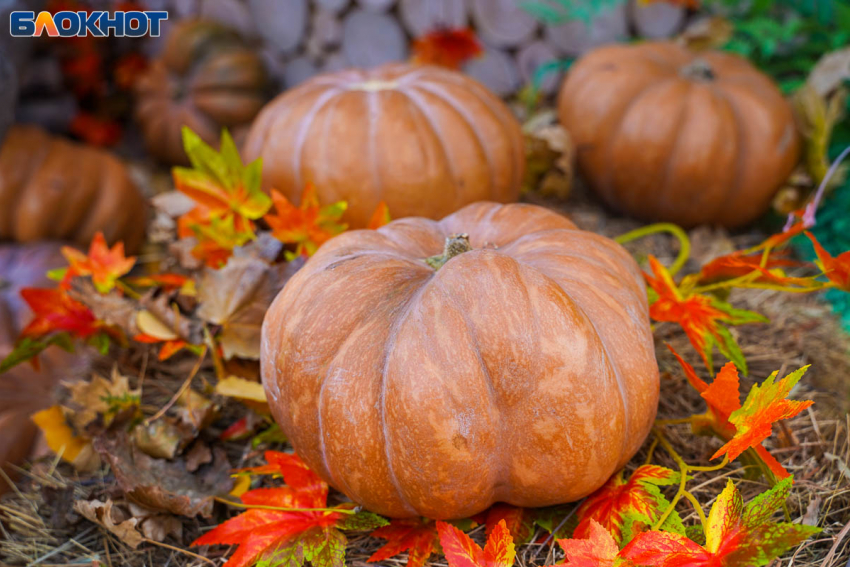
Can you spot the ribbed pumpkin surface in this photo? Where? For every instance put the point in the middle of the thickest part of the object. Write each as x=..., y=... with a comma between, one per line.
x=425, y=140
x=521, y=371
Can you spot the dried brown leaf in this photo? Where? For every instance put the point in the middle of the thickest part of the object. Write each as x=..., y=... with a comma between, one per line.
x=101, y=513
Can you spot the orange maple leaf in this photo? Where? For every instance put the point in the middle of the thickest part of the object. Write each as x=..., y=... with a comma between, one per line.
x=598, y=549
x=619, y=504
x=743, y=427
x=307, y=225
x=169, y=347
x=518, y=521
x=738, y=264
x=417, y=536
x=217, y=234
x=105, y=265
x=290, y=523
x=701, y=316
x=55, y=310
x=380, y=217
x=736, y=535
x=461, y=551
x=836, y=269
x=446, y=47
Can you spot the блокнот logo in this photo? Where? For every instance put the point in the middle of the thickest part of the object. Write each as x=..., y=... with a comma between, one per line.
x=96, y=23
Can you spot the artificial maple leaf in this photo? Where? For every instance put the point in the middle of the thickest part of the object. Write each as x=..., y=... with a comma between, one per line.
x=417, y=536
x=518, y=521
x=168, y=348
x=446, y=47
x=702, y=317
x=167, y=281
x=765, y=405
x=305, y=529
x=308, y=225
x=723, y=399
x=217, y=234
x=620, y=503
x=219, y=181
x=735, y=535
x=55, y=310
x=738, y=264
x=380, y=217
x=104, y=264
x=836, y=269
x=461, y=551
x=599, y=549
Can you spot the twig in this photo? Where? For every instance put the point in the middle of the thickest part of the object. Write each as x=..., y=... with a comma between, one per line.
x=182, y=389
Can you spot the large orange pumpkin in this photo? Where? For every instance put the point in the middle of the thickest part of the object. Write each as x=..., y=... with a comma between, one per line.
x=51, y=188
x=521, y=371
x=663, y=133
x=425, y=140
x=207, y=78
x=24, y=391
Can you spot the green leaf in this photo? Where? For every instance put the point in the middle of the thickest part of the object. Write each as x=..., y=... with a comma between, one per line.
x=325, y=548
x=252, y=176
x=57, y=274
x=204, y=159
x=361, y=521
x=28, y=348
x=101, y=342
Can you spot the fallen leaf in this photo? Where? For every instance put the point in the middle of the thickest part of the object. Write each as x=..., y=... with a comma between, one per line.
x=598, y=549
x=101, y=397
x=417, y=536
x=105, y=265
x=160, y=439
x=162, y=484
x=101, y=514
x=309, y=225
x=461, y=551
x=736, y=535
x=620, y=503
x=250, y=393
x=198, y=455
x=62, y=440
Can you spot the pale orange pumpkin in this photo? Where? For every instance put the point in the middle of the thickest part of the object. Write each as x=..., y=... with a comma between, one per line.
x=52, y=188
x=663, y=133
x=425, y=140
x=521, y=371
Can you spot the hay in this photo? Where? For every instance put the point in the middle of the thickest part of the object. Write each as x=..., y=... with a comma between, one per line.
x=38, y=527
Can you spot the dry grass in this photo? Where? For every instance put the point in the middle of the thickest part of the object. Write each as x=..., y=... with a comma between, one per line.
x=38, y=527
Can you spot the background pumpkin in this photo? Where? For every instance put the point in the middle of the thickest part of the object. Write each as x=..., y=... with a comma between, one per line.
x=438, y=394
x=207, y=79
x=52, y=188
x=23, y=390
x=425, y=140
x=663, y=133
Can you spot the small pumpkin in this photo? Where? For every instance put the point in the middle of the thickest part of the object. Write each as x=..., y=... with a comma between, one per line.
x=425, y=140
x=206, y=78
x=664, y=133
x=52, y=188
x=522, y=370
x=23, y=390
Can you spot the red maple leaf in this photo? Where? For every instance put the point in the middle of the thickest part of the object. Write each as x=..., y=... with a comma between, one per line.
x=620, y=503
x=738, y=264
x=105, y=265
x=446, y=47
x=750, y=426
x=56, y=311
x=735, y=535
x=702, y=317
x=308, y=225
x=599, y=549
x=836, y=269
x=417, y=536
x=291, y=523
x=169, y=347
x=461, y=551
x=518, y=521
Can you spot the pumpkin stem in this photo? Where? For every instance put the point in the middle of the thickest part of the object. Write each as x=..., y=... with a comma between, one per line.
x=698, y=70
x=456, y=244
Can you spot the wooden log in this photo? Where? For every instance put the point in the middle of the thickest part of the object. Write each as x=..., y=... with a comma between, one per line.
x=657, y=20
x=575, y=37
x=502, y=23
x=423, y=16
x=282, y=29
x=326, y=28
x=335, y=61
x=496, y=69
x=376, y=5
x=532, y=56
x=333, y=6
x=297, y=71
x=370, y=39
x=231, y=13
